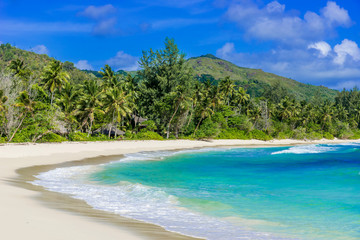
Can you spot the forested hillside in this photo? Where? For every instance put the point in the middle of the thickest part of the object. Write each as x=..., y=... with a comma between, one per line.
x=44, y=100
x=255, y=81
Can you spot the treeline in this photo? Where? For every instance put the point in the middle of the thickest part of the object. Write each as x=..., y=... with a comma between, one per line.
x=53, y=107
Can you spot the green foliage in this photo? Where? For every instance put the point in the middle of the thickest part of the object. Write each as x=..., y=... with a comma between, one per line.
x=356, y=135
x=52, y=137
x=283, y=135
x=233, y=133
x=148, y=135
x=314, y=136
x=79, y=137
x=208, y=129
x=259, y=135
x=299, y=133
x=328, y=135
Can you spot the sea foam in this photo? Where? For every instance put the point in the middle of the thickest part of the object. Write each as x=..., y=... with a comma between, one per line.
x=308, y=149
x=145, y=203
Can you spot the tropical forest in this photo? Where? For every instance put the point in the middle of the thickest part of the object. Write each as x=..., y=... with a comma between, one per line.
x=169, y=97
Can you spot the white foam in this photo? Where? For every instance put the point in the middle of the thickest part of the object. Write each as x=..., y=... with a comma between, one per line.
x=307, y=149
x=149, y=204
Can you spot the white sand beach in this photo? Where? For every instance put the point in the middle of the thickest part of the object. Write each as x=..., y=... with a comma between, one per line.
x=24, y=216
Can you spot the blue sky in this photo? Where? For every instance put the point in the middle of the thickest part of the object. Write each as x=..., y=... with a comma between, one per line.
x=314, y=42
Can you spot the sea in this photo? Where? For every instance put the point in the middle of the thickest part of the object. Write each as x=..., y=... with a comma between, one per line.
x=296, y=192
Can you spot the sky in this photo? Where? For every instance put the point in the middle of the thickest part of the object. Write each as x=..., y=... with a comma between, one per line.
x=315, y=42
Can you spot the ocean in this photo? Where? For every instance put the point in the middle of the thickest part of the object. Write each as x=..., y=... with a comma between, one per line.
x=298, y=192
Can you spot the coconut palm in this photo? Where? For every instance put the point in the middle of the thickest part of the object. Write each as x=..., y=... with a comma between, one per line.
x=117, y=104
x=109, y=77
x=90, y=104
x=54, y=77
x=67, y=102
x=226, y=88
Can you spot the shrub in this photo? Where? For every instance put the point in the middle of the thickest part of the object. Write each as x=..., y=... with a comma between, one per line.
x=148, y=135
x=356, y=135
x=328, y=135
x=299, y=133
x=2, y=140
x=283, y=135
x=78, y=137
x=52, y=137
x=208, y=129
x=314, y=136
x=260, y=135
x=233, y=133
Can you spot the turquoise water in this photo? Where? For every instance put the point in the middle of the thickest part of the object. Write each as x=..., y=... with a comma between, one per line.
x=301, y=192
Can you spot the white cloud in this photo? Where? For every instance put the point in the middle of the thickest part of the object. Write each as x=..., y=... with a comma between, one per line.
x=98, y=12
x=40, y=49
x=84, y=65
x=105, y=27
x=299, y=64
x=123, y=61
x=275, y=7
x=336, y=15
x=323, y=47
x=226, y=50
x=345, y=49
x=273, y=23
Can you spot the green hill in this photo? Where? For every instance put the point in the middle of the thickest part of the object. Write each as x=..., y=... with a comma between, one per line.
x=255, y=81
x=36, y=62
x=205, y=67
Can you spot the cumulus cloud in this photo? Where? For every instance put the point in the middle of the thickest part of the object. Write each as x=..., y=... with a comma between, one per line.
x=347, y=48
x=103, y=16
x=98, y=12
x=273, y=23
x=40, y=49
x=336, y=15
x=123, y=61
x=323, y=47
x=301, y=64
x=105, y=27
x=84, y=65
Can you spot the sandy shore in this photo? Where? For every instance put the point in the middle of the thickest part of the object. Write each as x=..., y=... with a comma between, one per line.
x=30, y=212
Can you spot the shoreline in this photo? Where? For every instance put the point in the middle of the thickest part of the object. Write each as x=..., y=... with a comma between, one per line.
x=31, y=211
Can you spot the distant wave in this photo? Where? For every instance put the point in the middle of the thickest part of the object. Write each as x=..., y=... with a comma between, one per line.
x=307, y=149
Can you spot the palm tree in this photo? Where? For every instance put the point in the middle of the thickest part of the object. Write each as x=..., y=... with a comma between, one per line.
x=54, y=77
x=227, y=88
x=26, y=105
x=90, y=103
x=67, y=102
x=117, y=103
x=240, y=98
x=109, y=77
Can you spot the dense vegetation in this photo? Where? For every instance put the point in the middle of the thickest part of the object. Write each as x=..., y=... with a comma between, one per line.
x=59, y=103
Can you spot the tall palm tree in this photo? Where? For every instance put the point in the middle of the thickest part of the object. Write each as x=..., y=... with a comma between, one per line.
x=54, y=77
x=26, y=105
x=109, y=77
x=227, y=88
x=90, y=104
x=240, y=98
x=67, y=102
x=117, y=103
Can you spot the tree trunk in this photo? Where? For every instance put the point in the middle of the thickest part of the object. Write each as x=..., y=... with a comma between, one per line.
x=52, y=97
x=172, y=117
x=17, y=128
x=197, y=126
x=90, y=128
